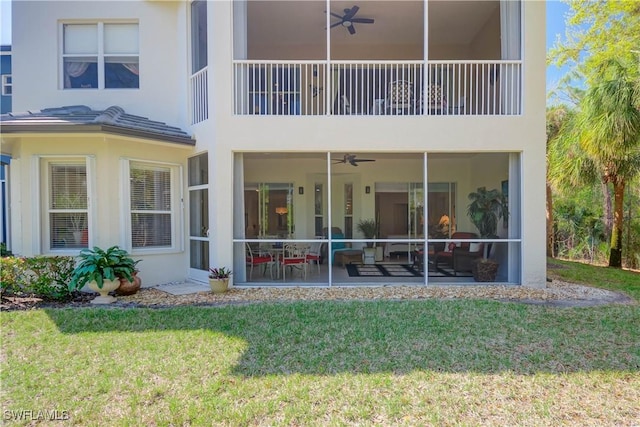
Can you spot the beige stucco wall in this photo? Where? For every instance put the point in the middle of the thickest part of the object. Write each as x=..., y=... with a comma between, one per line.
x=163, y=96
x=522, y=134
x=105, y=175
x=36, y=46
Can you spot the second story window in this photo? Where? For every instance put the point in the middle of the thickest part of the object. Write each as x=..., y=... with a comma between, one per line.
x=100, y=56
x=198, y=35
x=7, y=85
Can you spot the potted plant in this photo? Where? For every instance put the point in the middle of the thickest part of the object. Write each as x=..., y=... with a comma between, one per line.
x=130, y=287
x=219, y=279
x=101, y=271
x=368, y=228
x=484, y=211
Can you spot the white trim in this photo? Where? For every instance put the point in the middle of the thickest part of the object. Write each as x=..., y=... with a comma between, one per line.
x=41, y=241
x=176, y=210
x=100, y=55
x=6, y=84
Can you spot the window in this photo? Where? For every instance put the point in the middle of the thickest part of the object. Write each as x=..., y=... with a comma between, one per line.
x=100, y=56
x=153, y=205
x=198, y=36
x=7, y=85
x=65, y=200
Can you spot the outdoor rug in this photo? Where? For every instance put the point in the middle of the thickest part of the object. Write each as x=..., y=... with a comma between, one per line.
x=382, y=270
x=400, y=270
x=446, y=271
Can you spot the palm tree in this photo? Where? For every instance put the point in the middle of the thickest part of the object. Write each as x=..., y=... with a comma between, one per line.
x=556, y=118
x=602, y=141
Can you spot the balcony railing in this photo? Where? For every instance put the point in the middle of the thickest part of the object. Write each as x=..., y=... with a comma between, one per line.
x=199, y=97
x=440, y=88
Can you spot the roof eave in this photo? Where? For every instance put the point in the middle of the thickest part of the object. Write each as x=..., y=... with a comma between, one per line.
x=95, y=128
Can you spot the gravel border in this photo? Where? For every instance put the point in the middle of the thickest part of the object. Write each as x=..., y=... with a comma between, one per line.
x=557, y=294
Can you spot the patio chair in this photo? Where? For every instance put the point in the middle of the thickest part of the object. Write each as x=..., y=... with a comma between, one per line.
x=400, y=97
x=314, y=254
x=436, y=102
x=294, y=256
x=446, y=255
x=253, y=259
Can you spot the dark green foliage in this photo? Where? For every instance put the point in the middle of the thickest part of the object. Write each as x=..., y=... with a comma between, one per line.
x=3, y=250
x=485, y=209
x=42, y=276
x=579, y=226
x=97, y=265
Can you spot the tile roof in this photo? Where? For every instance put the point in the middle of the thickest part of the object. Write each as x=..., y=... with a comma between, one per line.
x=80, y=118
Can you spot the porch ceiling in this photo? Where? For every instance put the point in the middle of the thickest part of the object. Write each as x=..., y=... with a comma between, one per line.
x=287, y=23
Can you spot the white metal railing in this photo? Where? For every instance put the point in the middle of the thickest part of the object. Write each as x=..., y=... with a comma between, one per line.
x=199, y=96
x=377, y=87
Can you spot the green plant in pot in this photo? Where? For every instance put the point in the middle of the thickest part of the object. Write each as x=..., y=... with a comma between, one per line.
x=219, y=279
x=101, y=271
x=369, y=228
x=487, y=207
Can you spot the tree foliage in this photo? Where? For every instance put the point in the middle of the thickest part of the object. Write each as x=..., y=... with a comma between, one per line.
x=600, y=139
x=598, y=31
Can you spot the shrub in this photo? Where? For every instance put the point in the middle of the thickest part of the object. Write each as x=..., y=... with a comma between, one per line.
x=42, y=276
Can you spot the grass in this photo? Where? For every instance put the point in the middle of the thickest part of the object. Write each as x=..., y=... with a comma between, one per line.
x=615, y=279
x=424, y=362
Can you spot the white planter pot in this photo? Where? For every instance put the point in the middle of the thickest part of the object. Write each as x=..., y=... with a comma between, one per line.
x=107, y=286
x=369, y=255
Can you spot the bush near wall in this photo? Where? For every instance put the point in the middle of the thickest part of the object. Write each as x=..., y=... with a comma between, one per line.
x=41, y=276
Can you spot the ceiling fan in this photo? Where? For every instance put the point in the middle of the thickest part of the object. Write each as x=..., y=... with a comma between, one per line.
x=351, y=159
x=348, y=19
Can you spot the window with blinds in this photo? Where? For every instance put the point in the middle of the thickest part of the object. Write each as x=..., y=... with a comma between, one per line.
x=67, y=205
x=151, y=206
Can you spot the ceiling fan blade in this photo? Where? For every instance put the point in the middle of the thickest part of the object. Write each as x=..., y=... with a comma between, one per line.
x=335, y=15
x=364, y=160
x=363, y=20
x=350, y=13
x=336, y=24
x=352, y=29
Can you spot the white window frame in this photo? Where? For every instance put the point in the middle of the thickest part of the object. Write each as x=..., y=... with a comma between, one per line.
x=177, y=218
x=7, y=85
x=42, y=212
x=100, y=54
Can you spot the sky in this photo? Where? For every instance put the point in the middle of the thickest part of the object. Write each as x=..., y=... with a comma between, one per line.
x=556, y=11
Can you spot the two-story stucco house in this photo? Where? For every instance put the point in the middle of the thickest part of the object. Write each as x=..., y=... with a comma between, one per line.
x=237, y=133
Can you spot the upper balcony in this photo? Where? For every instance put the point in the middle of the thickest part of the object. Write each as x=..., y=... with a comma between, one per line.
x=413, y=57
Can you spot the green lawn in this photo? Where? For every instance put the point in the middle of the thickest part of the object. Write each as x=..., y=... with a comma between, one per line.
x=614, y=279
x=423, y=362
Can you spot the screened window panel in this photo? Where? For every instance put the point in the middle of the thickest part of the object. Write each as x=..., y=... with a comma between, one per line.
x=199, y=170
x=67, y=205
x=80, y=39
x=151, y=206
x=198, y=35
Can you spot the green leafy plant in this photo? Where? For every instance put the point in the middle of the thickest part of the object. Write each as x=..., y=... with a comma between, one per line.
x=219, y=273
x=485, y=209
x=42, y=276
x=98, y=265
x=369, y=228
